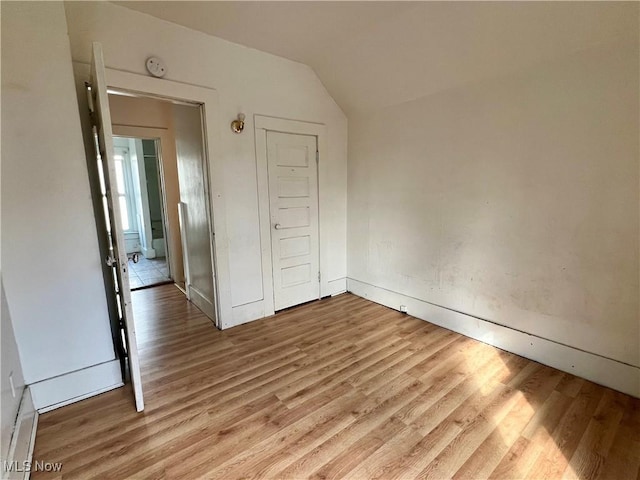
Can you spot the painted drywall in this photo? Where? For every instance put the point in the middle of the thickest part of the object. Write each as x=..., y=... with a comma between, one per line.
x=50, y=259
x=375, y=54
x=247, y=81
x=10, y=400
x=513, y=199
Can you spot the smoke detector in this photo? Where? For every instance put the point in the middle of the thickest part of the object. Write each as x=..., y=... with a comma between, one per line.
x=156, y=67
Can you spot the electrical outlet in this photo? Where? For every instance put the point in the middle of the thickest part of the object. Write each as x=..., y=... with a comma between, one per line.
x=13, y=388
x=403, y=308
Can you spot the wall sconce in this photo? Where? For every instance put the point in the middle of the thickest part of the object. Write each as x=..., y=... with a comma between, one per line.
x=237, y=126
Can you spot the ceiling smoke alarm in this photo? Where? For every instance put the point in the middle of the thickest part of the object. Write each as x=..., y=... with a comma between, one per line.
x=156, y=67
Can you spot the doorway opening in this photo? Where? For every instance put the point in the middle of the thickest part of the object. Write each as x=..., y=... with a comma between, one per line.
x=160, y=186
x=142, y=203
x=171, y=117
x=167, y=202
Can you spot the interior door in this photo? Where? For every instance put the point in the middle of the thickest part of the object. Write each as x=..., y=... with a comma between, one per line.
x=293, y=205
x=117, y=259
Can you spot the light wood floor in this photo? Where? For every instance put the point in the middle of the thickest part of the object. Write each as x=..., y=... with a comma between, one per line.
x=340, y=388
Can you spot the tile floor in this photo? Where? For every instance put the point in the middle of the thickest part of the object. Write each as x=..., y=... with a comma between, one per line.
x=148, y=271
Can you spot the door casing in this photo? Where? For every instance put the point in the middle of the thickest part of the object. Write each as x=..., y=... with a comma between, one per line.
x=207, y=98
x=263, y=124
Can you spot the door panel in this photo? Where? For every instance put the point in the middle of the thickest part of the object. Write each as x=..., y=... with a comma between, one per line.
x=295, y=246
x=294, y=217
x=103, y=141
x=293, y=205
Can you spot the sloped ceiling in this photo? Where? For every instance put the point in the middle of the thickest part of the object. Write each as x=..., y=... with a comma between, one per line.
x=375, y=54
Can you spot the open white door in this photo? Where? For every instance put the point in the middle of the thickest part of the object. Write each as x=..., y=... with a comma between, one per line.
x=117, y=259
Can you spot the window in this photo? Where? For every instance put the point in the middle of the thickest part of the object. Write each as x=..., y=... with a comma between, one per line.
x=124, y=188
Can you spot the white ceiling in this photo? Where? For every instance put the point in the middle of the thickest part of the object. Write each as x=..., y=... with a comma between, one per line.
x=375, y=54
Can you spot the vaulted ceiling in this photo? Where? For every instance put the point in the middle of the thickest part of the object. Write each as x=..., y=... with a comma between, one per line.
x=375, y=54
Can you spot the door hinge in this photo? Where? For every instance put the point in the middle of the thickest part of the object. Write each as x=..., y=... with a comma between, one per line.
x=90, y=104
x=317, y=156
x=318, y=276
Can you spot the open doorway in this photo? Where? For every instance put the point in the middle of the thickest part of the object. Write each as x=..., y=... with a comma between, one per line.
x=188, y=206
x=141, y=198
x=170, y=237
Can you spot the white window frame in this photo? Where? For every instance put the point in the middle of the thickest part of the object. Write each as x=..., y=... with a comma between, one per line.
x=132, y=211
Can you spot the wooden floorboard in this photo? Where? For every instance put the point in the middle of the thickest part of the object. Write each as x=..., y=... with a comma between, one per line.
x=339, y=388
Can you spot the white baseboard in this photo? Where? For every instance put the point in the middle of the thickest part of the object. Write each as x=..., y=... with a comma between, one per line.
x=246, y=313
x=201, y=301
x=337, y=286
x=249, y=312
x=158, y=247
x=604, y=371
x=75, y=386
x=22, y=441
x=241, y=314
x=147, y=252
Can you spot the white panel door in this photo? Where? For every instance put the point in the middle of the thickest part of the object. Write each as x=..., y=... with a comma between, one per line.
x=113, y=211
x=293, y=204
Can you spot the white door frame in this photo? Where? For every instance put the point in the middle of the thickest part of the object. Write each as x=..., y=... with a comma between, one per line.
x=262, y=124
x=208, y=98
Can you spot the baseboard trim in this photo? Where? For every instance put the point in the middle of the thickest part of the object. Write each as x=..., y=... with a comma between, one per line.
x=201, y=301
x=337, y=286
x=22, y=441
x=246, y=313
x=148, y=252
x=604, y=371
x=75, y=386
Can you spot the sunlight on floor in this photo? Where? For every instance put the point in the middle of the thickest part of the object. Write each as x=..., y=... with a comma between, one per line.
x=517, y=405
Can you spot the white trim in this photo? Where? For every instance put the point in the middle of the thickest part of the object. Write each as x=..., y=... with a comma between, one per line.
x=208, y=98
x=75, y=386
x=265, y=224
x=23, y=439
x=248, y=312
x=182, y=223
x=605, y=371
x=337, y=286
x=202, y=302
x=159, y=249
x=262, y=124
x=148, y=252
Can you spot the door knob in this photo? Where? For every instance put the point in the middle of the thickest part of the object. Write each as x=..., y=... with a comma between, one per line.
x=277, y=226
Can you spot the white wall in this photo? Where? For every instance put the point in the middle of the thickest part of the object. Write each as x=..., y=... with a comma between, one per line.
x=513, y=199
x=247, y=81
x=50, y=259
